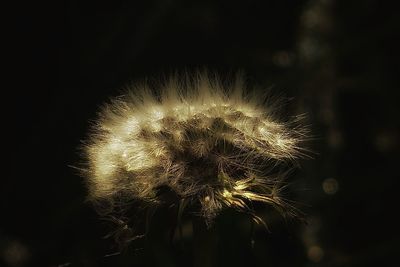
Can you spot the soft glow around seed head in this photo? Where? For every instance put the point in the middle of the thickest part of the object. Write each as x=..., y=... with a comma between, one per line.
x=200, y=143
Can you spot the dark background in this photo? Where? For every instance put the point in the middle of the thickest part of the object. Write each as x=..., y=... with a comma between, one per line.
x=337, y=60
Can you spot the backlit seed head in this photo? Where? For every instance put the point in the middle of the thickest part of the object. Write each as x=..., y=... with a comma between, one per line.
x=214, y=146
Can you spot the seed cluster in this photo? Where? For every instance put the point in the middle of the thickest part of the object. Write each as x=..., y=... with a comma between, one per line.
x=212, y=145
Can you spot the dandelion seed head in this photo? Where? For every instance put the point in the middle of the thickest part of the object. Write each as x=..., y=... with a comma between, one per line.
x=213, y=145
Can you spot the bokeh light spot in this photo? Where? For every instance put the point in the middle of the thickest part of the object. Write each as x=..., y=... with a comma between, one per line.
x=315, y=253
x=330, y=186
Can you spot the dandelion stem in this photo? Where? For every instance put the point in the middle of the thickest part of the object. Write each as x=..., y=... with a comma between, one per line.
x=205, y=242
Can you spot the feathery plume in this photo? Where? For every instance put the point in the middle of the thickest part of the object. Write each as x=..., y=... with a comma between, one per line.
x=214, y=146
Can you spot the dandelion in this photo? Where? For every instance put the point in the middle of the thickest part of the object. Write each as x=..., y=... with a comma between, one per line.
x=213, y=145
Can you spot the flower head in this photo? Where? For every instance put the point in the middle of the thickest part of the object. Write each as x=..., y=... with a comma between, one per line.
x=215, y=146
